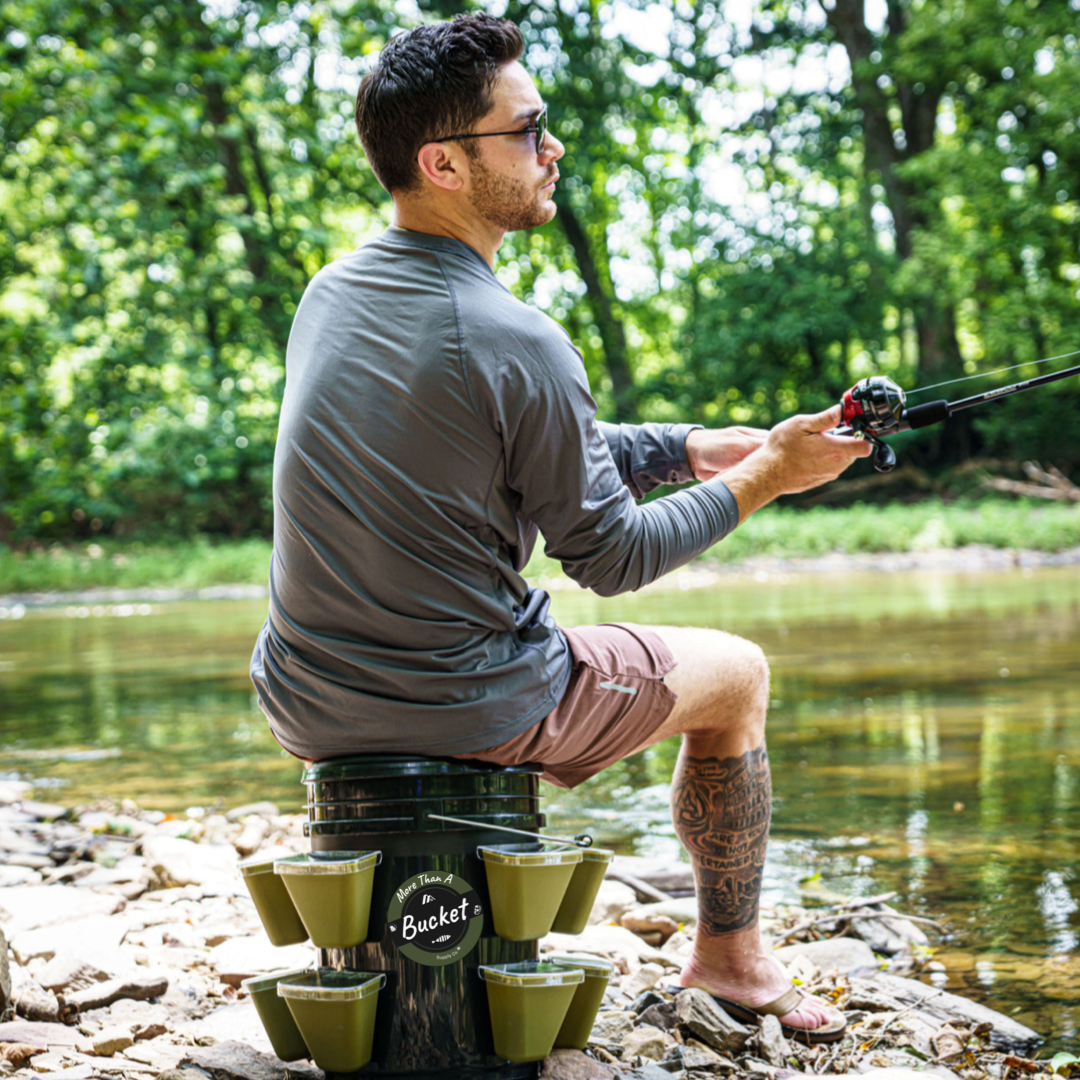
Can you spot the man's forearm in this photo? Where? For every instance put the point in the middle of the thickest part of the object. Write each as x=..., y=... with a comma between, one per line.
x=754, y=482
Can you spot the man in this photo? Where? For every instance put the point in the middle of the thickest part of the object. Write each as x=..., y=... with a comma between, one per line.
x=431, y=425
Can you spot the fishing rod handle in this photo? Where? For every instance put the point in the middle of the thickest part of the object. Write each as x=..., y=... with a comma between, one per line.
x=920, y=416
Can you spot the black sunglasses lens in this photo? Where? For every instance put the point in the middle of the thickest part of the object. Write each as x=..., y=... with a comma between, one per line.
x=541, y=131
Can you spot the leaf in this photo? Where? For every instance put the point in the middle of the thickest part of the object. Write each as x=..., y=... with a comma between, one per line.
x=1064, y=1063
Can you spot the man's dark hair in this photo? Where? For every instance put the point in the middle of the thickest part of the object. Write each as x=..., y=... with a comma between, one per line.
x=429, y=82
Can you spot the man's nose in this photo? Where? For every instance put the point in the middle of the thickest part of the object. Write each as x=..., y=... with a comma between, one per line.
x=553, y=149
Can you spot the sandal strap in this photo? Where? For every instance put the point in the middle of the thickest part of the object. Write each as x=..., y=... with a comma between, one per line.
x=787, y=1002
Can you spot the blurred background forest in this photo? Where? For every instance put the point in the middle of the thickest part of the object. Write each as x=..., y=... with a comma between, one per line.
x=761, y=202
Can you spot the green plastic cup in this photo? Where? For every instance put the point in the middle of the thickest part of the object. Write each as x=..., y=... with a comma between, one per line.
x=274, y=1013
x=528, y=1002
x=588, y=996
x=276, y=910
x=526, y=885
x=576, y=907
x=332, y=893
x=335, y=1012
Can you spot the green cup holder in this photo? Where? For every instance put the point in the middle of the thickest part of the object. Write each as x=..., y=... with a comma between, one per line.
x=335, y=1014
x=276, y=1019
x=332, y=893
x=588, y=996
x=576, y=907
x=528, y=1003
x=276, y=910
x=526, y=886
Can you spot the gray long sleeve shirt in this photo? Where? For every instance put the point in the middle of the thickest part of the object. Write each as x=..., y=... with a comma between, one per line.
x=432, y=424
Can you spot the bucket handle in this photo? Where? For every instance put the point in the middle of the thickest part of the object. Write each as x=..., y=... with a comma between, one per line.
x=582, y=840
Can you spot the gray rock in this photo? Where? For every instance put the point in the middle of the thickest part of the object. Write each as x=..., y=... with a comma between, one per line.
x=645, y=978
x=240, y=958
x=771, y=1044
x=5, y=974
x=261, y=809
x=696, y=1056
x=142, y=1019
x=31, y=906
x=11, y=876
x=110, y=1041
x=613, y=899
x=661, y=1015
x=649, y=1071
x=943, y=1006
x=644, y=1000
x=644, y=1041
x=35, y=1034
x=573, y=1065
x=700, y=1015
x=239, y=1021
x=175, y=862
x=235, y=1061
x=845, y=955
x=888, y=937
x=141, y=988
x=13, y=791
x=95, y=938
x=71, y=972
x=611, y=1026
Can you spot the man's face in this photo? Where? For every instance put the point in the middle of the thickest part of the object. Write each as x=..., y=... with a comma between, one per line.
x=510, y=184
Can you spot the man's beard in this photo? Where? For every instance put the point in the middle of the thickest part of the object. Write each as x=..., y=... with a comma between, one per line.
x=505, y=202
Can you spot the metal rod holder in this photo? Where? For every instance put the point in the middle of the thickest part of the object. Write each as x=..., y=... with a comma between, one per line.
x=583, y=840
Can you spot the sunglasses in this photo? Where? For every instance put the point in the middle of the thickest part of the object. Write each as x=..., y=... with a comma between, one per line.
x=537, y=128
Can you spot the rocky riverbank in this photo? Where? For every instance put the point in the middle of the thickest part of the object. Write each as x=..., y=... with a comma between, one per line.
x=125, y=935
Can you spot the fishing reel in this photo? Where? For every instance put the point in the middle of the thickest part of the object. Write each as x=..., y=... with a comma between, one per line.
x=876, y=407
x=871, y=408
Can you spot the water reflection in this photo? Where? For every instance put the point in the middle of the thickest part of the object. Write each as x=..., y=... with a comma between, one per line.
x=924, y=736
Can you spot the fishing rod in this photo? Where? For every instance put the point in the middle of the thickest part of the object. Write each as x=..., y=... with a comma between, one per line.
x=876, y=407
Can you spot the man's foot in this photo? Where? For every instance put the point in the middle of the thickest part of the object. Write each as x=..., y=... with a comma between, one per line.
x=762, y=982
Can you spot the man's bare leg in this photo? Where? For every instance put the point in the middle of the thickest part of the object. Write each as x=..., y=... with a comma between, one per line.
x=720, y=806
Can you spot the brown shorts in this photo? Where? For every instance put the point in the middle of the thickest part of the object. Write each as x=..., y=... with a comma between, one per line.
x=615, y=701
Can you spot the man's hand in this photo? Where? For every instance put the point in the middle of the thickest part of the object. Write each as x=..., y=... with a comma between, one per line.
x=797, y=455
x=711, y=452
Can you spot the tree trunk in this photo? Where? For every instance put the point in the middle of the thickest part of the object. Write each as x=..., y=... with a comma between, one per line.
x=608, y=323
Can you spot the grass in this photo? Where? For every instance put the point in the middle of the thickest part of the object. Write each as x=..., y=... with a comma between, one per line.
x=777, y=531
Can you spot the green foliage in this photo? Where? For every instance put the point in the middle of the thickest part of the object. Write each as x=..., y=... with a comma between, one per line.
x=110, y=564
x=172, y=175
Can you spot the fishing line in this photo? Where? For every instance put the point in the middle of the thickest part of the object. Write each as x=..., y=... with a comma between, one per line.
x=1000, y=371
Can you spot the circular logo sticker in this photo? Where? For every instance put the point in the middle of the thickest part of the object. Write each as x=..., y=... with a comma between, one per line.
x=435, y=918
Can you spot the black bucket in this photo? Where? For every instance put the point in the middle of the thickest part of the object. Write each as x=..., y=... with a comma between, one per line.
x=433, y=1021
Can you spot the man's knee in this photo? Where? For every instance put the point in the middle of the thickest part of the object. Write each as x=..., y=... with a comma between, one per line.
x=721, y=680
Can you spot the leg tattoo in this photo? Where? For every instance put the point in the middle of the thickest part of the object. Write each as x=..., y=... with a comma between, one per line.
x=720, y=808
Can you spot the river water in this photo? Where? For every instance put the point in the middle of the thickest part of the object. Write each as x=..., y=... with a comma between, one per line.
x=924, y=736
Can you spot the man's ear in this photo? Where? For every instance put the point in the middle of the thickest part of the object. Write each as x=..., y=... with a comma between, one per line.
x=441, y=164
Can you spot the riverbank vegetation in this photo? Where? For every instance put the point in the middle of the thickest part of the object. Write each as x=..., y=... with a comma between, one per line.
x=775, y=531
x=756, y=209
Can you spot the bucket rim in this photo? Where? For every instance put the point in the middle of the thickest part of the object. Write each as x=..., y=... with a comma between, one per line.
x=531, y=973
x=370, y=766
x=256, y=864
x=326, y=984
x=265, y=982
x=327, y=862
x=597, y=854
x=519, y=855
x=591, y=965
